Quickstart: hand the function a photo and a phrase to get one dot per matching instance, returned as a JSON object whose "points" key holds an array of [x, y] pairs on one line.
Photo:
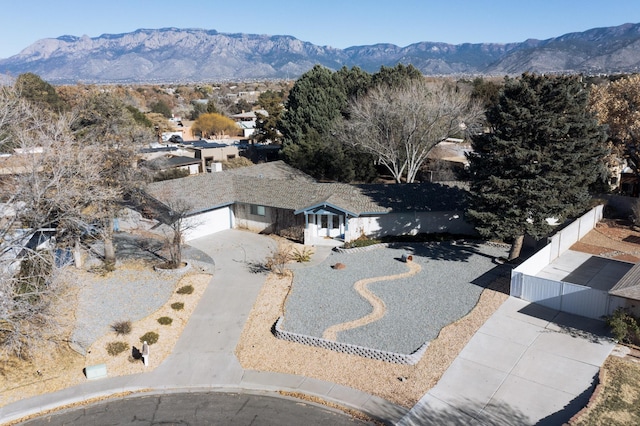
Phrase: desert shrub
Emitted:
{"points": [[303, 255], [177, 306], [361, 241], [187, 289], [165, 320], [150, 337], [236, 163], [278, 258], [170, 174], [122, 328], [624, 326], [116, 348]]}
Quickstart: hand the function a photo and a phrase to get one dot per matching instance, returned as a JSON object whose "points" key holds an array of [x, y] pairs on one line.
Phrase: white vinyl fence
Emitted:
{"points": [[566, 297]]}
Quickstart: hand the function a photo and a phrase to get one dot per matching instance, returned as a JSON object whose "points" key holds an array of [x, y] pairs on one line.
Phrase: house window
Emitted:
{"points": [[335, 223], [324, 221], [258, 210]]}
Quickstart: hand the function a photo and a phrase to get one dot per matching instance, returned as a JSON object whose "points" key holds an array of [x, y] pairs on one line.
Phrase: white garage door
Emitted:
{"points": [[208, 223]]}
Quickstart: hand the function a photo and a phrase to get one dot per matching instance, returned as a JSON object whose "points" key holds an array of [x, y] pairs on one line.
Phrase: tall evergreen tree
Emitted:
{"points": [[315, 102], [542, 152], [267, 124], [33, 88]]}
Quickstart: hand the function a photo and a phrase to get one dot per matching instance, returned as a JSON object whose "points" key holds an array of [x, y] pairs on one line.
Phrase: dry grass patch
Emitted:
{"points": [[53, 367], [404, 385], [618, 400]]}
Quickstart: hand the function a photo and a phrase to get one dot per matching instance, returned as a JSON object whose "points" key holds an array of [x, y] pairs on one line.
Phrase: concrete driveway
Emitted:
{"points": [[526, 365]]}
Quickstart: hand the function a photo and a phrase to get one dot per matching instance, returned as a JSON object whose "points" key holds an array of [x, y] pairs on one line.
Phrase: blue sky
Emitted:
{"points": [[337, 23]]}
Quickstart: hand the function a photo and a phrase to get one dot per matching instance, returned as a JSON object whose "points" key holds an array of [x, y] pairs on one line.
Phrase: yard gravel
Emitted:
{"points": [[129, 293], [453, 276]]}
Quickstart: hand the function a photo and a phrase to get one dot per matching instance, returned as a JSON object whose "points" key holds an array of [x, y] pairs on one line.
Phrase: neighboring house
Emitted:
{"points": [[276, 198], [445, 160], [211, 152], [161, 151], [628, 288], [247, 121], [168, 162]]}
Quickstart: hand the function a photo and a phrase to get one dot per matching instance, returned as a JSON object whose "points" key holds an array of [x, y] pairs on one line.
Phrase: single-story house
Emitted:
{"points": [[211, 152], [190, 164], [247, 121], [276, 198]]}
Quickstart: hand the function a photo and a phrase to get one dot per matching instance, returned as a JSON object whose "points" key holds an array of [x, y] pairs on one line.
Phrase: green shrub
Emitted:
{"points": [[303, 255], [116, 348], [361, 242], [624, 326], [177, 306], [122, 328], [165, 320], [187, 289], [150, 337]]}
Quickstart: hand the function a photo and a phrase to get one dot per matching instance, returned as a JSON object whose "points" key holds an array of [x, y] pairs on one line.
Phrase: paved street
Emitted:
{"points": [[210, 408]]}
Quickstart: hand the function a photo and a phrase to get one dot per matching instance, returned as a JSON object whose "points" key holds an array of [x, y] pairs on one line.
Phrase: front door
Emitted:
{"points": [[329, 225]]}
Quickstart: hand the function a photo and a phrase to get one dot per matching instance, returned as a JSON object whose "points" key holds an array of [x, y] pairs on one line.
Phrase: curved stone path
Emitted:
{"points": [[379, 308]]}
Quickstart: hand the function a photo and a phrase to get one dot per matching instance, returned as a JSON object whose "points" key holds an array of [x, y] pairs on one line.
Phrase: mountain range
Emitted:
{"points": [[171, 55]]}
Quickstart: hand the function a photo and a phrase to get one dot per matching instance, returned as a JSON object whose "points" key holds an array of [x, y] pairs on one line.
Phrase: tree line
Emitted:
{"points": [[540, 144]]}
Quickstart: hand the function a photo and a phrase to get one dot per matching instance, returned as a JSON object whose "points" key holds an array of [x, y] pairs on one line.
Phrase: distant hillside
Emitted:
{"points": [[191, 55]]}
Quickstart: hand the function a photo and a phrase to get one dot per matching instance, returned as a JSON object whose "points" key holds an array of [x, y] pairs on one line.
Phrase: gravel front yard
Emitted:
{"points": [[450, 282]]}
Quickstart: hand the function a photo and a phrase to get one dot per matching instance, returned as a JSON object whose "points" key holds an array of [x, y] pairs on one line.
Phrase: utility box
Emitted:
{"points": [[97, 371]]}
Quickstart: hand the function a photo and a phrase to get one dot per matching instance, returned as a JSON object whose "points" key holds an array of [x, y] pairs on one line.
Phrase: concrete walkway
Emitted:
{"points": [[526, 365], [204, 358]]}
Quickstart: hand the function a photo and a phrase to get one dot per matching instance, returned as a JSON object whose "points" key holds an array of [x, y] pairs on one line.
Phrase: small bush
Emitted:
{"points": [[177, 306], [187, 289], [116, 348], [277, 260], [150, 337], [624, 326], [165, 320], [303, 255], [122, 328], [361, 242]]}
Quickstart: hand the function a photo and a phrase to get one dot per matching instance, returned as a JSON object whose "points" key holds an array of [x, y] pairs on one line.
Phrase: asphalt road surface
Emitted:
{"points": [[210, 408]]}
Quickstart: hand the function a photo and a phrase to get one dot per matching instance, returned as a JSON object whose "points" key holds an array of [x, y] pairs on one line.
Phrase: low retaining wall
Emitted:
{"points": [[318, 342]]}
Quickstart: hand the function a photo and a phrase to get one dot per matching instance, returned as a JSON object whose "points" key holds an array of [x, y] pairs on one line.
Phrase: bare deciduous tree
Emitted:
{"points": [[105, 125], [174, 211], [400, 125], [32, 198]]}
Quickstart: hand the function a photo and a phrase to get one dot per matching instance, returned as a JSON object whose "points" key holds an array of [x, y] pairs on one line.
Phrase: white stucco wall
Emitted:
{"points": [[408, 224]]}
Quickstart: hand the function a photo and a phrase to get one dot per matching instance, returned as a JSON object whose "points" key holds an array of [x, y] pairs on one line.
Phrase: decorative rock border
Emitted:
{"points": [[396, 358]]}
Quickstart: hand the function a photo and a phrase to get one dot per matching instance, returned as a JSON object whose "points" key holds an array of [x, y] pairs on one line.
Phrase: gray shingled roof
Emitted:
{"points": [[278, 185], [629, 284]]}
